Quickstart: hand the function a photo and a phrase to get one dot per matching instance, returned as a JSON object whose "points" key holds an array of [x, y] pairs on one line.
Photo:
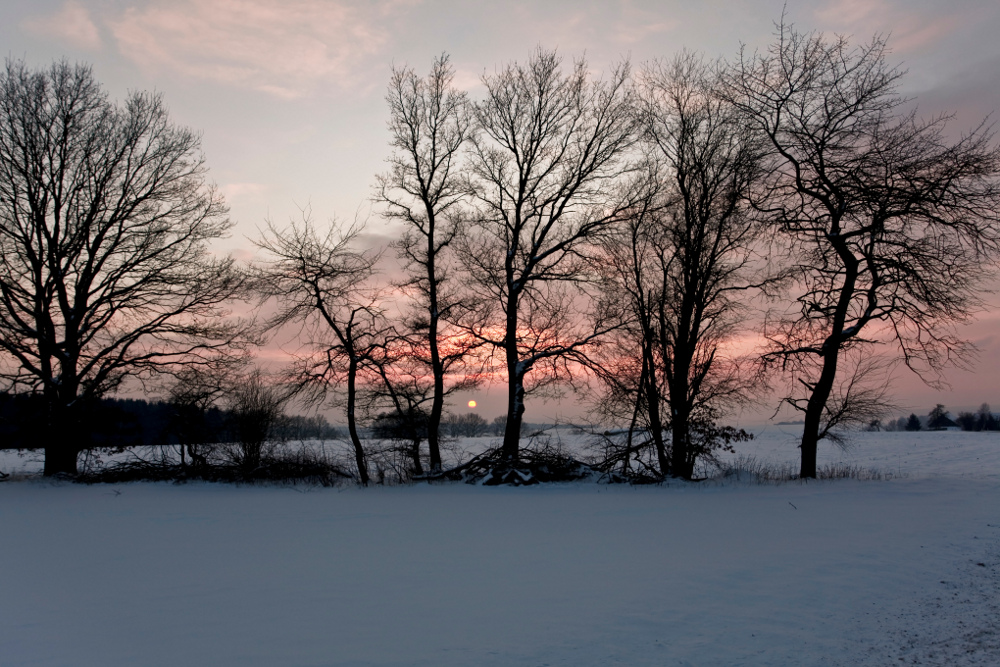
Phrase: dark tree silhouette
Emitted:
{"points": [[322, 282], [193, 399], [891, 227], [401, 387], [545, 176], [105, 221], [256, 405], [683, 262], [986, 420], [429, 121]]}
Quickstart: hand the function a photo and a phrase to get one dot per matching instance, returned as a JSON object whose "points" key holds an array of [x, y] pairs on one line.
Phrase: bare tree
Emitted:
{"points": [[105, 221], [191, 396], [404, 390], [986, 421], [256, 405], [703, 260], [628, 367], [546, 178], [684, 263], [430, 124], [322, 282], [891, 227]]}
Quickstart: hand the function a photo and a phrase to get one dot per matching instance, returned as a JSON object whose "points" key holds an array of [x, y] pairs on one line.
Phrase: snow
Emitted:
{"points": [[902, 571]]}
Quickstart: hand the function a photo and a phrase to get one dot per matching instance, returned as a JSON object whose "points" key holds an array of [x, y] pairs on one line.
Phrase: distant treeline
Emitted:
{"points": [[130, 422], [940, 419]]}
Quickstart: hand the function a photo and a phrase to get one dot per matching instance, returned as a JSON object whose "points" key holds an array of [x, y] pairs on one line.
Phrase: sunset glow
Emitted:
{"points": [[472, 404]]}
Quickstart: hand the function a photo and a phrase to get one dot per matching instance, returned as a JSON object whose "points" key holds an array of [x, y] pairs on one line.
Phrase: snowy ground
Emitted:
{"points": [[904, 571]]}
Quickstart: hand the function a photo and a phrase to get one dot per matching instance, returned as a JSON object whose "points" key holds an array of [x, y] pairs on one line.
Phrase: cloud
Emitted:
{"points": [[850, 12], [234, 190], [583, 25], [911, 30], [971, 93], [636, 24], [72, 24], [288, 49]]}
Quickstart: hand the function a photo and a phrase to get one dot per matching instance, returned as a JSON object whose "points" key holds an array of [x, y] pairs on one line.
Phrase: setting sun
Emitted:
{"points": [[472, 404]]}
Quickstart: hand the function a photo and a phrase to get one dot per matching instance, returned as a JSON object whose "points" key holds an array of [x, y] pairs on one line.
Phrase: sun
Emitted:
{"points": [[472, 404]]}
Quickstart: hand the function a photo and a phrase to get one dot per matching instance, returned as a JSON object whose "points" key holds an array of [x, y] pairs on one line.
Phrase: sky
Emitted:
{"points": [[289, 95]]}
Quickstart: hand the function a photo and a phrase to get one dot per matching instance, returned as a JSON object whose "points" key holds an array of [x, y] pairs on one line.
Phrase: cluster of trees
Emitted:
{"points": [[633, 228], [981, 420]]}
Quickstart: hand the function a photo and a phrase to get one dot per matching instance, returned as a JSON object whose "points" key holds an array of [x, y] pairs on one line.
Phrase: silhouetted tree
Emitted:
{"points": [[987, 420], [545, 177], [403, 388], [430, 123], [498, 425], [968, 421], [322, 282], [891, 227], [256, 405], [105, 270], [913, 423], [192, 398], [938, 418], [682, 261]]}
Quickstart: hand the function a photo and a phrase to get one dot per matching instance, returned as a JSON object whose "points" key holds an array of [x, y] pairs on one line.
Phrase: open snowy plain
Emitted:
{"points": [[899, 571]]}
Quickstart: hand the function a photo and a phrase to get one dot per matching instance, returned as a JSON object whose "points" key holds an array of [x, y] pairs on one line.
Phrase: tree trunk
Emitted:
{"points": [[809, 447], [418, 468], [682, 463], [515, 381], [831, 353], [653, 403], [437, 408], [511, 448], [61, 434], [437, 368], [352, 422], [814, 413], [60, 458], [679, 371]]}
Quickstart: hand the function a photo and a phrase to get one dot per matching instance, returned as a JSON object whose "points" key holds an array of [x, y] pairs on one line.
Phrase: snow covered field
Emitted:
{"points": [[903, 571]]}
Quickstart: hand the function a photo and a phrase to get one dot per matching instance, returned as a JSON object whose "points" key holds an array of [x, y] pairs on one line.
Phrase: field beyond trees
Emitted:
{"points": [[902, 570]]}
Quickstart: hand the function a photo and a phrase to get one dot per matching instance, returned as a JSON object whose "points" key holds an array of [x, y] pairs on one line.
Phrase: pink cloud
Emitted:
{"points": [[580, 26], [911, 31], [72, 24], [850, 12], [285, 49], [636, 24]]}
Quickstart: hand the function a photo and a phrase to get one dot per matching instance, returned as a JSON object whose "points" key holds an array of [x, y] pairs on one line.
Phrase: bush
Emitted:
{"points": [[303, 465]]}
